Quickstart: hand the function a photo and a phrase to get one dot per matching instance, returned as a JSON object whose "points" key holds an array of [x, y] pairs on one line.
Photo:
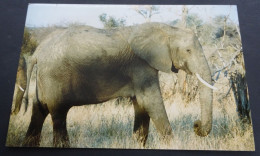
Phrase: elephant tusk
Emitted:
{"points": [[205, 83], [21, 88]]}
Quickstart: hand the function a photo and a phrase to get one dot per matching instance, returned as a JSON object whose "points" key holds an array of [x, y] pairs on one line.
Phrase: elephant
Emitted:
{"points": [[28, 47], [20, 84], [83, 65]]}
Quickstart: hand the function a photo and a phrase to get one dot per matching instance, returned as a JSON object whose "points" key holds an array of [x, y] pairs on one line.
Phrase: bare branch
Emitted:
{"points": [[230, 62], [220, 56], [237, 28], [230, 84]]}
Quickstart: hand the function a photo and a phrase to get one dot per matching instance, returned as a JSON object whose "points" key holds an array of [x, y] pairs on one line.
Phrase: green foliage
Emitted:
{"points": [[175, 22], [219, 20], [206, 34], [111, 22], [29, 44], [147, 11], [193, 20], [210, 32]]}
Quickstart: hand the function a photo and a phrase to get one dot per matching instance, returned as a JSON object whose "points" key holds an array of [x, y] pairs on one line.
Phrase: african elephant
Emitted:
{"points": [[85, 65], [28, 47], [20, 84]]}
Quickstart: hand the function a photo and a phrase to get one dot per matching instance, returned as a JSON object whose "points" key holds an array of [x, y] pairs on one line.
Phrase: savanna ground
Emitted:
{"points": [[110, 124]]}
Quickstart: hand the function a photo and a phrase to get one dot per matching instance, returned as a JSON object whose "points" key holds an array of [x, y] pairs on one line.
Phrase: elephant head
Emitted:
{"points": [[169, 49]]}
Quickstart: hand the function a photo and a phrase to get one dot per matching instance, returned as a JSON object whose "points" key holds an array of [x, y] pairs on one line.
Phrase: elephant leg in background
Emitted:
{"points": [[148, 95], [60, 134], [33, 135], [141, 123]]}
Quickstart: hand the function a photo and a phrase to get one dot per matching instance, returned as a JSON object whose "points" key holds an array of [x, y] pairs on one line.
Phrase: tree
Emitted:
{"points": [[229, 43], [188, 20], [221, 40], [111, 22], [174, 22], [147, 11], [184, 14], [29, 44], [193, 20]]}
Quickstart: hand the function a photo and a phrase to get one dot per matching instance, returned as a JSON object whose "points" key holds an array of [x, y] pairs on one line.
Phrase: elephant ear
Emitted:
{"points": [[151, 45]]}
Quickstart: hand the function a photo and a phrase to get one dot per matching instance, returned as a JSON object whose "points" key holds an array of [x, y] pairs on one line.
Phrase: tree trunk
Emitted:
{"points": [[184, 16], [239, 88]]}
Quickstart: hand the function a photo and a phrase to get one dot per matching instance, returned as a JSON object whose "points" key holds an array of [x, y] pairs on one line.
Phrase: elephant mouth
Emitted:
{"points": [[173, 69], [204, 82]]}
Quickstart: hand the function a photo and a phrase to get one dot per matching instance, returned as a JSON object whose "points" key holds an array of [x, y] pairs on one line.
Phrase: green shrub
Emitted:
{"points": [[29, 44]]}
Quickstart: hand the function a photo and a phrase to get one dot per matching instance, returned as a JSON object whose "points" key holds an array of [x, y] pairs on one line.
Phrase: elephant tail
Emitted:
{"points": [[32, 62]]}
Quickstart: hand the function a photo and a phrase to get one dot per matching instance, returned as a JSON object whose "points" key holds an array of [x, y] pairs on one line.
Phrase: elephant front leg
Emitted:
{"points": [[141, 123], [159, 117], [149, 98]]}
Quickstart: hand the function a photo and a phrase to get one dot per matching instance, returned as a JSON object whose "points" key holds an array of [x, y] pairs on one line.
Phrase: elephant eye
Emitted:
{"points": [[188, 50]]}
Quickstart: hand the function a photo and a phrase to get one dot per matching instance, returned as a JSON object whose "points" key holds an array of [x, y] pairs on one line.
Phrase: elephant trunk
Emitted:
{"points": [[203, 127]]}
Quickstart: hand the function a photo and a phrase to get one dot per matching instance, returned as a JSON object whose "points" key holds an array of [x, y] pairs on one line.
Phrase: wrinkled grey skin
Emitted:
{"points": [[85, 65]]}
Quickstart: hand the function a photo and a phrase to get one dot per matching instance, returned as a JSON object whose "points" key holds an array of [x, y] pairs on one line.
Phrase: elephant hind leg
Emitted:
{"points": [[33, 135], [60, 134], [141, 123]]}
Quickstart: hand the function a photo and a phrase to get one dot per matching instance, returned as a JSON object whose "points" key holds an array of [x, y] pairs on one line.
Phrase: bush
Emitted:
{"points": [[29, 44]]}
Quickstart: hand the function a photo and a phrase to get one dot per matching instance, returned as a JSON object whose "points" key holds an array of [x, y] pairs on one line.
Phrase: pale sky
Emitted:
{"points": [[42, 15]]}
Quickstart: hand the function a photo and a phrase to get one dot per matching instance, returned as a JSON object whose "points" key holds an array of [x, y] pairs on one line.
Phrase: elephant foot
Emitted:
{"points": [[140, 138], [32, 141], [61, 141], [167, 142], [61, 145], [200, 130]]}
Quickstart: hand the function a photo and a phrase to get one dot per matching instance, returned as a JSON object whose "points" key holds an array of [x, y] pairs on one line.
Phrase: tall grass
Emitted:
{"points": [[110, 125]]}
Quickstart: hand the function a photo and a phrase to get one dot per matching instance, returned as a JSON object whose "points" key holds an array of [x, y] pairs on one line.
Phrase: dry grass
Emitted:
{"points": [[110, 125]]}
